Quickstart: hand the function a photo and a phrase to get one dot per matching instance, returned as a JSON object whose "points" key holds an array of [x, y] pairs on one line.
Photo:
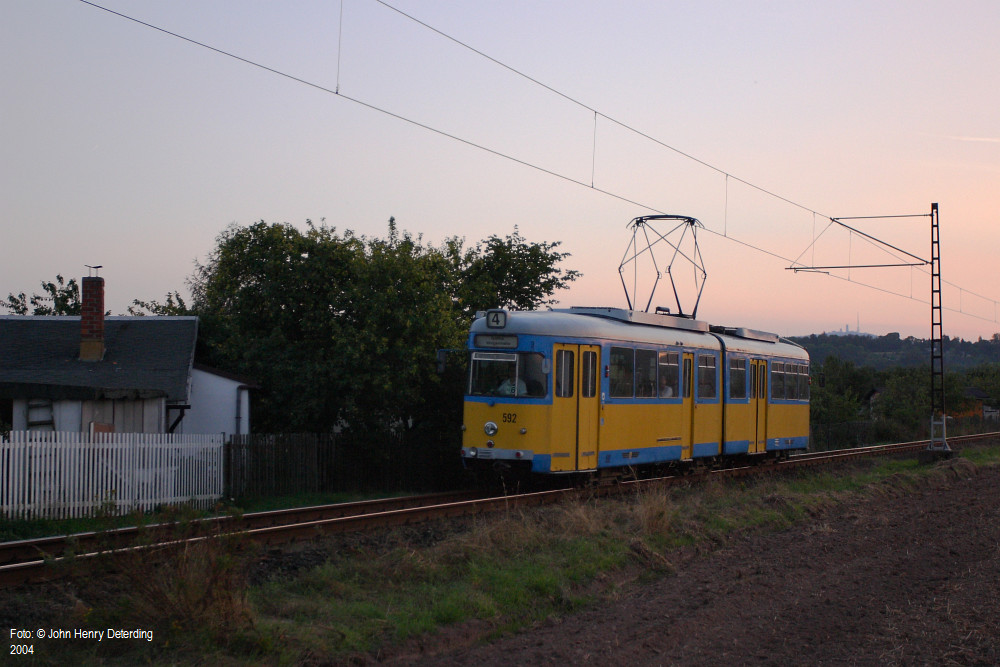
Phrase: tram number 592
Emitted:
{"points": [[509, 418]]}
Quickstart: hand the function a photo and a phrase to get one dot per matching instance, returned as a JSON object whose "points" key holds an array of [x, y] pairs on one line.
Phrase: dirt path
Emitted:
{"points": [[900, 579]]}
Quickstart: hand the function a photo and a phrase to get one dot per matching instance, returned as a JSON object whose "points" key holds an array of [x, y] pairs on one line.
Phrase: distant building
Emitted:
{"points": [[846, 331], [978, 405]]}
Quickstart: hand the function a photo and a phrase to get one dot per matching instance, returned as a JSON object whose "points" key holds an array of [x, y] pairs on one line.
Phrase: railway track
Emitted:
{"points": [[31, 560], [27, 560]]}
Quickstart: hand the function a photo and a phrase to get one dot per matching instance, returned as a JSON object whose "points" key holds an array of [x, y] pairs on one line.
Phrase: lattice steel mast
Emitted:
{"points": [[939, 442], [938, 447]]}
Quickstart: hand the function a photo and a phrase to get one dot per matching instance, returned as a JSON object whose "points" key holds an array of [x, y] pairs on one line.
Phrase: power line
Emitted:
{"points": [[718, 170], [909, 297], [597, 114], [211, 48], [623, 125]]}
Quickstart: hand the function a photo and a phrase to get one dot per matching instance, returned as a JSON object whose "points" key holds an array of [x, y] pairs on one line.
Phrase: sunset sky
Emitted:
{"points": [[131, 148]]}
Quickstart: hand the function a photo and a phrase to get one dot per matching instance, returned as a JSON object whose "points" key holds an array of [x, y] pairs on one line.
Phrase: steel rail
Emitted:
{"points": [[29, 554], [27, 560]]}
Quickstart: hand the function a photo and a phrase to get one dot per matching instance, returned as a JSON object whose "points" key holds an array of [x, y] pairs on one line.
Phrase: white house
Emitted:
{"points": [[218, 399], [113, 374]]}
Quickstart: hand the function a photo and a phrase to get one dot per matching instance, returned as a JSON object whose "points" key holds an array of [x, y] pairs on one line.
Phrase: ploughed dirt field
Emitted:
{"points": [[902, 578]]}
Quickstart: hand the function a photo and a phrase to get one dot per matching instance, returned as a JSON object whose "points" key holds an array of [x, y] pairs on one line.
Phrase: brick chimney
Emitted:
{"points": [[92, 320]]}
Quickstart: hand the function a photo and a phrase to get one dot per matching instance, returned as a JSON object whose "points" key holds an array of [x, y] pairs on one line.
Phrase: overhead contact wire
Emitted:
{"points": [[336, 92]]}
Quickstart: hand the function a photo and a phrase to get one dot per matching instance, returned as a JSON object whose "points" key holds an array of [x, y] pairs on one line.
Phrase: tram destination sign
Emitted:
{"points": [[496, 341]]}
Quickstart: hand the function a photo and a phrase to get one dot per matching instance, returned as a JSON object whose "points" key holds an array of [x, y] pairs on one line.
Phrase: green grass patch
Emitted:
{"points": [[982, 456], [110, 516], [509, 570]]}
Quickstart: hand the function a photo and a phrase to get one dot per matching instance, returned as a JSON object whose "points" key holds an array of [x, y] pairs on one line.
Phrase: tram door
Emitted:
{"points": [[758, 399], [575, 407], [688, 418]]}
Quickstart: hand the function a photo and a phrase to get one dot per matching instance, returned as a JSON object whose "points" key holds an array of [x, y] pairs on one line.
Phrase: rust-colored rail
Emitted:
{"points": [[27, 560], [881, 450]]}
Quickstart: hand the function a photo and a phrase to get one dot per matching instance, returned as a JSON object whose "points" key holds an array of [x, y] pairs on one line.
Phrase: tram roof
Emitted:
{"points": [[632, 326]]}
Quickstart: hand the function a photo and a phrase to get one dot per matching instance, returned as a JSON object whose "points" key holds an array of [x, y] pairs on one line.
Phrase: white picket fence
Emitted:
{"points": [[54, 475]]}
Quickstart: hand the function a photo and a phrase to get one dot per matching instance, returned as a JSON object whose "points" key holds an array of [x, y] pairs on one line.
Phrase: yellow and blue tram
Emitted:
{"points": [[606, 390]]}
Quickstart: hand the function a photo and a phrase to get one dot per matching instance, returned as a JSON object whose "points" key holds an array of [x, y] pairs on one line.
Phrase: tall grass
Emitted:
{"points": [[493, 574]]}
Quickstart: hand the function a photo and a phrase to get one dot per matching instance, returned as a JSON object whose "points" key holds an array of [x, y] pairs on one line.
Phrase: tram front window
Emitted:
{"points": [[507, 374]]}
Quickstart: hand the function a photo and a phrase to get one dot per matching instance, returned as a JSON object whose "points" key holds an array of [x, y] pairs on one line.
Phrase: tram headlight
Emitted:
{"points": [[490, 428], [473, 452]]}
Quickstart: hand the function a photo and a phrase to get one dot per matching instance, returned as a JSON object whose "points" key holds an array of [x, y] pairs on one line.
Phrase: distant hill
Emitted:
{"points": [[881, 352]]}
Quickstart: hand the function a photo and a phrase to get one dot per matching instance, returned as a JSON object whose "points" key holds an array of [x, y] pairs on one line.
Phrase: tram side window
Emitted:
{"points": [[507, 374], [645, 373], [588, 370], [797, 382], [687, 378], [622, 372], [788, 379], [777, 379], [707, 377], [669, 374], [532, 368], [737, 378], [564, 373]]}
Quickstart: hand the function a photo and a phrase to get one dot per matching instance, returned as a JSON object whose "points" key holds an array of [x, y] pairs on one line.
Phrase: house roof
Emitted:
{"points": [[250, 383], [976, 394], [145, 357]]}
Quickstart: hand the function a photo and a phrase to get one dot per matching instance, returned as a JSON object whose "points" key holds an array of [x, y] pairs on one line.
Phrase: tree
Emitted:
{"points": [[987, 378], [62, 298], [343, 330], [837, 396], [905, 399], [272, 302], [885, 352], [59, 298], [506, 273], [174, 305], [339, 329]]}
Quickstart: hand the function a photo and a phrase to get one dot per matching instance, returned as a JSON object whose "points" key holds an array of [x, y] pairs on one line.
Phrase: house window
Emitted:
{"points": [[6, 414]]}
